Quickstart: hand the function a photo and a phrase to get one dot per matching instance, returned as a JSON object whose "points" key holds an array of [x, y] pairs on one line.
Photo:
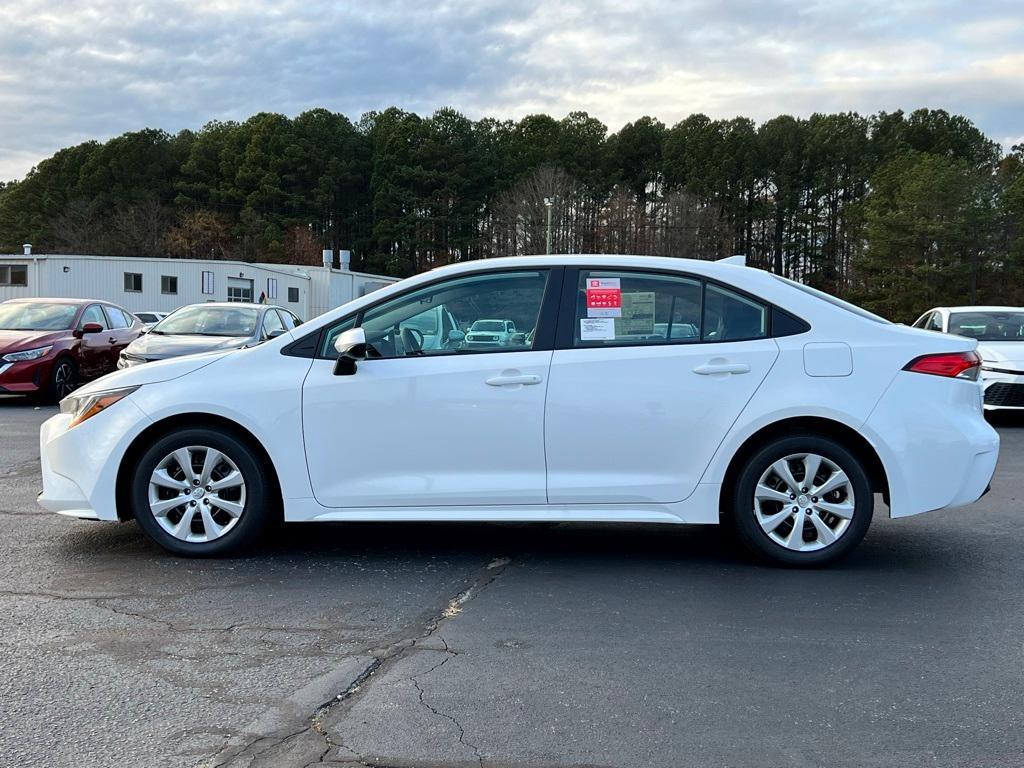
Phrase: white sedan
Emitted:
{"points": [[999, 332], [780, 408]]}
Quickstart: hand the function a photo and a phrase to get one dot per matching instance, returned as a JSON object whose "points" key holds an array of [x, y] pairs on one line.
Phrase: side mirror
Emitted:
{"points": [[276, 332], [351, 347], [456, 336], [88, 328]]}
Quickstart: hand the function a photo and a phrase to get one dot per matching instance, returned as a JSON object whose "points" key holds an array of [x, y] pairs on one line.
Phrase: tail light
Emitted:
{"points": [[953, 365]]}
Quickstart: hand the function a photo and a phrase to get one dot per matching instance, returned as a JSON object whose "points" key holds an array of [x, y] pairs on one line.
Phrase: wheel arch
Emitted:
{"points": [[843, 434], [164, 426]]}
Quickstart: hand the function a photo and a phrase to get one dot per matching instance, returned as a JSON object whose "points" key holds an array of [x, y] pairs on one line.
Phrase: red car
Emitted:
{"points": [[49, 346]]}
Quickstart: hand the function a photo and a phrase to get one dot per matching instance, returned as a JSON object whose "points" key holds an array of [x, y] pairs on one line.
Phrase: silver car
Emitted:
{"points": [[206, 328]]}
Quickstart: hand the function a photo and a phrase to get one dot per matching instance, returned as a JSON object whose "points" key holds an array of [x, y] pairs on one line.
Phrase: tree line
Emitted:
{"points": [[896, 211]]}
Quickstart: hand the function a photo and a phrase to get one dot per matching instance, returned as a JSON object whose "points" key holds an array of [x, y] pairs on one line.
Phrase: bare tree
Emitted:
{"points": [[202, 235], [519, 215], [140, 229]]}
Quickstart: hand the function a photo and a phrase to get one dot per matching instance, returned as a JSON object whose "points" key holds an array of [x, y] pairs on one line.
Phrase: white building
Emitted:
{"points": [[162, 285]]}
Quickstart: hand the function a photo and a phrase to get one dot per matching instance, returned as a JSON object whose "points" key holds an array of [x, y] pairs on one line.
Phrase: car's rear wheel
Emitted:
{"points": [[201, 493], [803, 500]]}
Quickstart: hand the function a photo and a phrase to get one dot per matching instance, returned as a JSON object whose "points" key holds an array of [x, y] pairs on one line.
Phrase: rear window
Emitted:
{"points": [[834, 301]]}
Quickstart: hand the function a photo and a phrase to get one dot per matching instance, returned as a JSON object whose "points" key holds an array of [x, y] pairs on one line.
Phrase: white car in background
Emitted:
{"points": [[999, 332], [784, 411], [149, 319], [490, 333]]}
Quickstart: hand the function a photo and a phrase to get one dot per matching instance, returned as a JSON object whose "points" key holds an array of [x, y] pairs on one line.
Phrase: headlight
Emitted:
{"points": [[28, 354], [82, 407]]}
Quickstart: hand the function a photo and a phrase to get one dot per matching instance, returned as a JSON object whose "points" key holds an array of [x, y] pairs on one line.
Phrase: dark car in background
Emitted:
{"points": [[49, 346], [209, 327]]}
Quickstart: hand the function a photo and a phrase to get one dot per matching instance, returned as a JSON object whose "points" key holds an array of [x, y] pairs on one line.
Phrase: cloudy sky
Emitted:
{"points": [[72, 71]]}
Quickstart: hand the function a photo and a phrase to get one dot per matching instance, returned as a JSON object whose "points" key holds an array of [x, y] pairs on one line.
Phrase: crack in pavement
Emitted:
{"points": [[449, 655], [382, 659]]}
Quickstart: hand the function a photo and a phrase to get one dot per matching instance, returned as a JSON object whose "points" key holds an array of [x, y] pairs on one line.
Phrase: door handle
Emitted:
{"points": [[112, 340], [513, 379], [710, 369]]}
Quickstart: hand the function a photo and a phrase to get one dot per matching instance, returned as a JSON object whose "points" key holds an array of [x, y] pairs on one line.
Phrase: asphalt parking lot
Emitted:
{"points": [[505, 645]]}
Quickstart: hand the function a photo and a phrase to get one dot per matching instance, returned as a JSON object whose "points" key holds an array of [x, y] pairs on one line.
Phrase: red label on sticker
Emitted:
{"points": [[604, 298]]}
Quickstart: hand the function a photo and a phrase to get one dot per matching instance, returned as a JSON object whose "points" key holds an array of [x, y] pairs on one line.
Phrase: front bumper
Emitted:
{"points": [[1003, 389], [79, 465], [25, 377]]}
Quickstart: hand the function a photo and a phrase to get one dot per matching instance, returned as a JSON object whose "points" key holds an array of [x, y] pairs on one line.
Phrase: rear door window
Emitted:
{"points": [[636, 308], [117, 317], [730, 316]]}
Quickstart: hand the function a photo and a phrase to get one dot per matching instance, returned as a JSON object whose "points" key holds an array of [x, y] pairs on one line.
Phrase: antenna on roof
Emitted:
{"points": [[739, 261]]}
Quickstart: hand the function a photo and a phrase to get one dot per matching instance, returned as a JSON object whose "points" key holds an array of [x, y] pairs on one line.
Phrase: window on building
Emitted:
{"points": [[168, 284], [239, 289], [293, 295], [133, 282], [208, 283], [14, 274], [271, 287]]}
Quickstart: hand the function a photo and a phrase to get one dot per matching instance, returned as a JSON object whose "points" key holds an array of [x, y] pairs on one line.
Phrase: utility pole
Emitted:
{"points": [[549, 202]]}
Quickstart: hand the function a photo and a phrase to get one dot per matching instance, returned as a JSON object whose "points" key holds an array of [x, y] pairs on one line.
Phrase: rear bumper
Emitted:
{"points": [[937, 449]]}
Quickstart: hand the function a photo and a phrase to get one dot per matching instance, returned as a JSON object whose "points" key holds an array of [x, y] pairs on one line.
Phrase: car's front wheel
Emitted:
{"points": [[201, 492], [803, 500], [63, 380]]}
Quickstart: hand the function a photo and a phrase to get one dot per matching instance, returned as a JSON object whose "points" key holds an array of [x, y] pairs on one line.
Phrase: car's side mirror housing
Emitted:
{"points": [[276, 332], [351, 347], [456, 336], [88, 328]]}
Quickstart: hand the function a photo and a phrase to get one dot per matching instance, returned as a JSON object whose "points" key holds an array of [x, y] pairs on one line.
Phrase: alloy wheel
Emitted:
{"points": [[197, 494], [64, 380], [804, 502]]}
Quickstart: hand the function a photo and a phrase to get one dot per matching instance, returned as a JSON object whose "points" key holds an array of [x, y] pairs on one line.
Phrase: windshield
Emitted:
{"points": [[200, 320], [988, 326], [30, 316], [488, 325]]}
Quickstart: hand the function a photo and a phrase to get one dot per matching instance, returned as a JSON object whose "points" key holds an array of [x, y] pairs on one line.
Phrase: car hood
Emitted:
{"points": [[1005, 352], [14, 341], [152, 373], [156, 346]]}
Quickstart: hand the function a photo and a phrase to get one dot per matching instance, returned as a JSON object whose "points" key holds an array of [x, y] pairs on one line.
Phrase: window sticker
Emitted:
{"points": [[597, 329], [604, 297], [637, 317]]}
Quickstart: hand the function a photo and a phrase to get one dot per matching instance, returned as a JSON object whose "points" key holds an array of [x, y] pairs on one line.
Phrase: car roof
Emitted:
{"points": [[235, 305], [56, 300], [977, 308]]}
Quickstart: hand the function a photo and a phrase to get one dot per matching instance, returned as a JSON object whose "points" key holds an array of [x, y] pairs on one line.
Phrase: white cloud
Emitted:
{"points": [[70, 71]]}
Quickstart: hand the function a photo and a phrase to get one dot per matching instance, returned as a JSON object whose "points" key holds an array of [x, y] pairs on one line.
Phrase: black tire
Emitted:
{"points": [[257, 509], [63, 380], [745, 518]]}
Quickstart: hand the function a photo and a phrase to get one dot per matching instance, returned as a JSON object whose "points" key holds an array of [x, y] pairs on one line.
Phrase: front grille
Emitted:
{"points": [[1005, 395]]}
